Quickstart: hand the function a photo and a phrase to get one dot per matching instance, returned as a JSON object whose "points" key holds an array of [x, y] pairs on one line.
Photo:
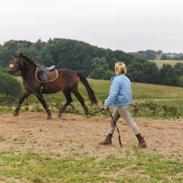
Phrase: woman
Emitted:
{"points": [[120, 97]]}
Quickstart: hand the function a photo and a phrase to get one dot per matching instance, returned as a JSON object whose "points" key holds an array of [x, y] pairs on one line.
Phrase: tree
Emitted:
{"points": [[134, 72], [99, 69], [178, 69], [143, 72], [147, 54], [167, 75], [150, 73], [9, 85]]}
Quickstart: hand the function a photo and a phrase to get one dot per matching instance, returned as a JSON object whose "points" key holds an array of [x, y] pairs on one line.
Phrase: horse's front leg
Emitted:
{"points": [[22, 98], [43, 102]]}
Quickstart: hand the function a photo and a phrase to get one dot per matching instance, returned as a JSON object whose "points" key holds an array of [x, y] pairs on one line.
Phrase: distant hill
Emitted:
{"points": [[68, 53]]}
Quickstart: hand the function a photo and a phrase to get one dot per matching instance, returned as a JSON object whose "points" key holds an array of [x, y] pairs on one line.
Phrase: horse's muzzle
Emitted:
{"points": [[12, 69], [11, 66]]}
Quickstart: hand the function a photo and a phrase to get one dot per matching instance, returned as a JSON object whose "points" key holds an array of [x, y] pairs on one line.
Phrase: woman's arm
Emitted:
{"points": [[113, 92]]}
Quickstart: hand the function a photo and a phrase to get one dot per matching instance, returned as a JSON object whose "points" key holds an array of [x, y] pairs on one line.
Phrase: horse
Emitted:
{"points": [[66, 80]]}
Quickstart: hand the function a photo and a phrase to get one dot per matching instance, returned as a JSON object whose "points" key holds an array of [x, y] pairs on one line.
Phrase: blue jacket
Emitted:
{"points": [[120, 93]]}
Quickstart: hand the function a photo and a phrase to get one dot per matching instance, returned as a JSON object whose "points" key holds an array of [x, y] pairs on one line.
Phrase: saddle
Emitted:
{"points": [[50, 74]]}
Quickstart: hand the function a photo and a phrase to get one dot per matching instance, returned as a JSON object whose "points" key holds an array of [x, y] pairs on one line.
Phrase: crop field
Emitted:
{"points": [[160, 63]]}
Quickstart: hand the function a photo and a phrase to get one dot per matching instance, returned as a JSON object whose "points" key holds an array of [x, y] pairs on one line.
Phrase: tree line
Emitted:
{"points": [[149, 73], [91, 61], [157, 55]]}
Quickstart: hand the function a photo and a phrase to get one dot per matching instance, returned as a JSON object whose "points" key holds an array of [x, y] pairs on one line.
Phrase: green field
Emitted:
{"points": [[159, 94], [146, 93], [160, 63], [128, 168], [142, 93]]}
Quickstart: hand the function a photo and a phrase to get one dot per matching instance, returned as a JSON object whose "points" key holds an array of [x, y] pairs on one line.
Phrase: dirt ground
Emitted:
{"points": [[77, 135]]}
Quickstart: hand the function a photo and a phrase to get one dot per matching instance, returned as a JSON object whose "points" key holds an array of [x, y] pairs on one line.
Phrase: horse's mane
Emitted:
{"points": [[28, 59]]}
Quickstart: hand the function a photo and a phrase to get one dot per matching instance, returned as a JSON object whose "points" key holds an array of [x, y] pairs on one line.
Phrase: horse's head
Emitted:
{"points": [[17, 63]]}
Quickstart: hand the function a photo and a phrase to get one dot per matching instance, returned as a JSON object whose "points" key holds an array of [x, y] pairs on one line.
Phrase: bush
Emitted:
{"points": [[9, 86], [154, 109], [167, 74]]}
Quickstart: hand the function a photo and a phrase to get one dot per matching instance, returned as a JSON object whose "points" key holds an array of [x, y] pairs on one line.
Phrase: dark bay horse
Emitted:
{"points": [[67, 81]]}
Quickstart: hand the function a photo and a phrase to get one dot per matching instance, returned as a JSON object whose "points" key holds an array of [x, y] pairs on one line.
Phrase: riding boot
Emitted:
{"points": [[107, 140], [142, 142]]}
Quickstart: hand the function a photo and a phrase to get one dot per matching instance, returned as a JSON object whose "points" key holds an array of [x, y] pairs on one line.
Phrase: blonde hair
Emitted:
{"points": [[120, 68]]}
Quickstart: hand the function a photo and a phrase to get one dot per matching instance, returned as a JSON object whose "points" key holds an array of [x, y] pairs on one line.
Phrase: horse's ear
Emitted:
{"points": [[14, 55]]}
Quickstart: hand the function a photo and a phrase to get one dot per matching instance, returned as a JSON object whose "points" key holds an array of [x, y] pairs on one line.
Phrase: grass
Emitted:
{"points": [[140, 90], [2, 138], [138, 167], [142, 93], [160, 63]]}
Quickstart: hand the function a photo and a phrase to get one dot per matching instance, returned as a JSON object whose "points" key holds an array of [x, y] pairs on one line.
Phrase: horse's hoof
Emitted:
{"points": [[49, 117], [16, 114]]}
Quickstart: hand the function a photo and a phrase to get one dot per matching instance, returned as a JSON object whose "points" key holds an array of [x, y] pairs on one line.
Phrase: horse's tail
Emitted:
{"points": [[91, 93]]}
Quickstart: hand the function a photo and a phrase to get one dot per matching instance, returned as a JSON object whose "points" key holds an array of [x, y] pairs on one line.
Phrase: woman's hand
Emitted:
{"points": [[105, 109]]}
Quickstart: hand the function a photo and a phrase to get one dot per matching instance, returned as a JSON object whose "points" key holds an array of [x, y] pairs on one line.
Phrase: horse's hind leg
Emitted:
{"points": [[22, 98], [43, 102], [81, 100], [68, 97]]}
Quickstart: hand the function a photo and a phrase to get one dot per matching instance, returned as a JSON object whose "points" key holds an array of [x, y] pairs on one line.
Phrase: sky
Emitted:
{"points": [[128, 25]]}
